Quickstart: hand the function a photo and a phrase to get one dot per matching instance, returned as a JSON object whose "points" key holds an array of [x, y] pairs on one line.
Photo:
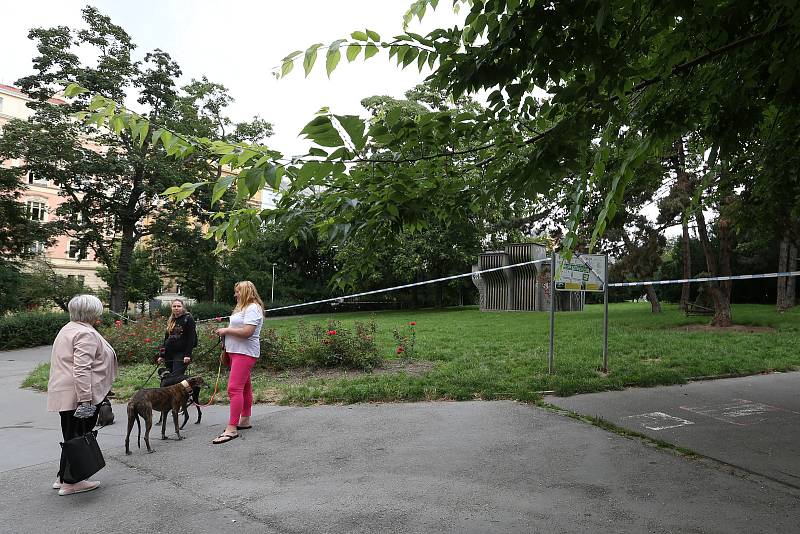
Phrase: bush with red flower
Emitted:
{"points": [[405, 338]]}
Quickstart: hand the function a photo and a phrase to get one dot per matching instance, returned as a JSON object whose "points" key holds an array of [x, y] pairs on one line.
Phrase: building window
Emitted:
{"points": [[1, 104], [79, 277], [33, 179], [74, 252], [36, 247], [36, 210]]}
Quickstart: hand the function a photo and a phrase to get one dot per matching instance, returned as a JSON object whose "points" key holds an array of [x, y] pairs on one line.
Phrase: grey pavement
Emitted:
{"points": [[478, 467], [752, 423]]}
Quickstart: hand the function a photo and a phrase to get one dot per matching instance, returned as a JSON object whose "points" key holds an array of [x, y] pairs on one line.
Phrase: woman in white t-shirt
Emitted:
{"points": [[243, 345]]}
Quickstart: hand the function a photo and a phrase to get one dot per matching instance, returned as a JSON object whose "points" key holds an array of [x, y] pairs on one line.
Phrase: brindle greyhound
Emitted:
{"points": [[167, 379], [171, 398]]}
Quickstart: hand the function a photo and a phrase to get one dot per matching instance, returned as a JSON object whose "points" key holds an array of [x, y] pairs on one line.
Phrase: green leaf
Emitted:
{"points": [[359, 36], [273, 177], [246, 155], [354, 126], [117, 124], [310, 57], [321, 131], [254, 179], [511, 5], [220, 186], [421, 60], [352, 51], [401, 52], [141, 131], [374, 36], [166, 138], [392, 209], [287, 67], [293, 55], [332, 60], [74, 89], [97, 102], [410, 56], [370, 50], [432, 59]]}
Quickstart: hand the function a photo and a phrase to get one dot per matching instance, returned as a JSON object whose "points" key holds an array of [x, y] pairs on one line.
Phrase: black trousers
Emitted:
{"points": [[174, 363], [72, 427]]}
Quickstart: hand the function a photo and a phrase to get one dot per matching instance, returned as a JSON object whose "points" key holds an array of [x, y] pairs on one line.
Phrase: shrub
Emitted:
{"points": [[140, 342], [315, 345], [136, 342], [333, 345], [30, 329], [206, 310], [405, 338]]}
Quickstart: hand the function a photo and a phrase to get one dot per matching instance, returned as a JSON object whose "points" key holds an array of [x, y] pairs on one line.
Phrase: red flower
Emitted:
{"points": [[117, 323], [413, 323], [147, 340], [218, 318], [400, 350], [331, 332]]}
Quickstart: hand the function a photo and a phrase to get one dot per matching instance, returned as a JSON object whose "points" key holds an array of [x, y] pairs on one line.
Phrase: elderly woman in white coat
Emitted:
{"points": [[82, 368]]}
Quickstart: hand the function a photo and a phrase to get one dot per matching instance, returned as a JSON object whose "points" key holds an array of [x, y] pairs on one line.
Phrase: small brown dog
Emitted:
{"points": [[144, 402]]}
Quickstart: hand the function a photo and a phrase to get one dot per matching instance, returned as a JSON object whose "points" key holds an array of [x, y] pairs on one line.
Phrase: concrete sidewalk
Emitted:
{"points": [[424, 467], [752, 423]]}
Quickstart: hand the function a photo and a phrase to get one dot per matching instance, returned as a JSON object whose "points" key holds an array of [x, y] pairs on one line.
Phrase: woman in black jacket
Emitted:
{"points": [[179, 339]]}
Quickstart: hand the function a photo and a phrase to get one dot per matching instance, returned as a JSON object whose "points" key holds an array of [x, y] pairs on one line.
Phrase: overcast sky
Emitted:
{"points": [[238, 43]]}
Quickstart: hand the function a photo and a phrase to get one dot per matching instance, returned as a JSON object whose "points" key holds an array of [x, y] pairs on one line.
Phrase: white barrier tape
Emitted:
{"points": [[707, 279], [493, 269], [338, 299], [123, 316], [415, 284]]}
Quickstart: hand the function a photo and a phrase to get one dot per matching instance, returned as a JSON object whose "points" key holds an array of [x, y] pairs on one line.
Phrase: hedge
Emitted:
{"points": [[30, 329]]}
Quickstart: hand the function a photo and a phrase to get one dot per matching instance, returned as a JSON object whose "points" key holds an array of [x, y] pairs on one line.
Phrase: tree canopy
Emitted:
{"points": [[579, 93]]}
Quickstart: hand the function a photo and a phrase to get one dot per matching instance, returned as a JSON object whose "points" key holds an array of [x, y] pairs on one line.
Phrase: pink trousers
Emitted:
{"points": [[240, 390]]}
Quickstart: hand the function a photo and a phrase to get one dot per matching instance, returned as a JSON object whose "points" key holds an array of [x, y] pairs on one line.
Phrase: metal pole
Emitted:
{"points": [[605, 316], [272, 293], [552, 308]]}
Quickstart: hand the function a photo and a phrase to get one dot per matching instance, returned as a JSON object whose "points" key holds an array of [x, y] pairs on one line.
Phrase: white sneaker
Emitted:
{"points": [[78, 487], [56, 484]]}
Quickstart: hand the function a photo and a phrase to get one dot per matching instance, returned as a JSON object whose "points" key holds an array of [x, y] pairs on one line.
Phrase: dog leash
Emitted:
{"points": [[219, 373], [148, 378]]}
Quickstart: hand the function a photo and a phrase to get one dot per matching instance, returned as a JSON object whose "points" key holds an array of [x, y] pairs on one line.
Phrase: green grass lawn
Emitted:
{"points": [[503, 355]]}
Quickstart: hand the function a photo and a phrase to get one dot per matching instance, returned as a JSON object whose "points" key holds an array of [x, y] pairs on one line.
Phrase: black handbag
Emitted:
{"points": [[83, 457]]}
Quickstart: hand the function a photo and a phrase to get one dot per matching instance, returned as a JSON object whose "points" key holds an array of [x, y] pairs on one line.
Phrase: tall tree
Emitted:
{"points": [[110, 177]]}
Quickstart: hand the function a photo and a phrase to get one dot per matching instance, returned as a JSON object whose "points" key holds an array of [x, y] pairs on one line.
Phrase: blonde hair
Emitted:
{"points": [[248, 294], [171, 321]]}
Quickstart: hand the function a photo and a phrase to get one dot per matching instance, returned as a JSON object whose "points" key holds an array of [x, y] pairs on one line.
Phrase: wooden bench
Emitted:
{"points": [[696, 309]]}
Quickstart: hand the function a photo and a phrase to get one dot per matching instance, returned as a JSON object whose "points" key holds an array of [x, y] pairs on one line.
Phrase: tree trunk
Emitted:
{"points": [[687, 266], [791, 291], [655, 305], [720, 291], [119, 285], [683, 186], [783, 262]]}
